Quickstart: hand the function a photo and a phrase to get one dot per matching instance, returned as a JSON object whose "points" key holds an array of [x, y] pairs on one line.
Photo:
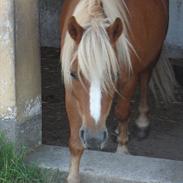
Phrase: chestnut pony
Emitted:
{"points": [[107, 47]]}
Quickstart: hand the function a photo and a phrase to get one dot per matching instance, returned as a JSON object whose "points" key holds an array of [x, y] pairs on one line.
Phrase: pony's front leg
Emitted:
{"points": [[76, 151], [75, 146], [122, 113]]}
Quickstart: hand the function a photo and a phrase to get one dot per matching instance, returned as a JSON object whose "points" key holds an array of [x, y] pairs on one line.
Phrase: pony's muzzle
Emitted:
{"points": [[92, 139]]}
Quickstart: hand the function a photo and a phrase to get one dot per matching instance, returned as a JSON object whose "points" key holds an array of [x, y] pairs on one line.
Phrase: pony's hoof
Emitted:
{"points": [[73, 179], [142, 133]]}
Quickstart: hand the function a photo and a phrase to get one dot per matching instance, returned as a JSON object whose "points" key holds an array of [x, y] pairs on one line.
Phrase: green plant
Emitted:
{"points": [[12, 167]]}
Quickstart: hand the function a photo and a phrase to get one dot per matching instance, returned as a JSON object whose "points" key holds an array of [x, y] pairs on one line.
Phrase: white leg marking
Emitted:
{"points": [[142, 121], [73, 176], [95, 100]]}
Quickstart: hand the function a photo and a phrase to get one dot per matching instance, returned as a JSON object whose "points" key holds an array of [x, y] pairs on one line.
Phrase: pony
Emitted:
{"points": [[107, 48]]}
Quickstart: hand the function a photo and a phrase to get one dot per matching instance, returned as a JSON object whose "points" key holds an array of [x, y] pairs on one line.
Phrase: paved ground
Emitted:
{"points": [[166, 137], [97, 167]]}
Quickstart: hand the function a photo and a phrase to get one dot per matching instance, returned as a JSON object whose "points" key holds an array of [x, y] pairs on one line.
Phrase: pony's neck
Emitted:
{"points": [[88, 11]]}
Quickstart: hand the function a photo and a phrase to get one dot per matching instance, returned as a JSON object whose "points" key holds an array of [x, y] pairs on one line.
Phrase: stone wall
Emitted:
{"points": [[20, 79], [7, 56], [175, 33]]}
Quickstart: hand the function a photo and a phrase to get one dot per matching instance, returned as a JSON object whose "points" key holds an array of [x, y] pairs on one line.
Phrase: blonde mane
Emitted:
{"points": [[96, 57]]}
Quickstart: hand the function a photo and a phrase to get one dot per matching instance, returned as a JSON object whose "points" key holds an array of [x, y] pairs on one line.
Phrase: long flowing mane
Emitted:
{"points": [[97, 59]]}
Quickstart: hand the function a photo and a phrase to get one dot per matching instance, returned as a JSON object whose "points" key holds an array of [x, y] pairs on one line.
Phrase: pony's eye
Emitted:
{"points": [[73, 75]]}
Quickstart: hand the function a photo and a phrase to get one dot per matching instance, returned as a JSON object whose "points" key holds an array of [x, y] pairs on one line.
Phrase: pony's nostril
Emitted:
{"points": [[105, 135], [82, 135]]}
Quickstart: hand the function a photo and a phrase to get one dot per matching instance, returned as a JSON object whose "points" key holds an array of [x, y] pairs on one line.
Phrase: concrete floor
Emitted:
{"points": [[166, 137], [102, 167]]}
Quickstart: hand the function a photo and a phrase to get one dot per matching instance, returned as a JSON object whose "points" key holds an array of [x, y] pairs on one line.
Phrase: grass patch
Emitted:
{"points": [[12, 167]]}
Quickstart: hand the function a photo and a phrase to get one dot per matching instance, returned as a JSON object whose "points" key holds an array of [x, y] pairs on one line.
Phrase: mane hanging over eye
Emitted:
{"points": [[96, 57]]}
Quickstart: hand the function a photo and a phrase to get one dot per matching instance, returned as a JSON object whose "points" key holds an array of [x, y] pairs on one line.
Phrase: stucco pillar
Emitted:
{"points": [[20, 80]]}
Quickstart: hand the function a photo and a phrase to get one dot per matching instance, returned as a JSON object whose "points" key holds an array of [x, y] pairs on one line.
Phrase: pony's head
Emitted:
{"points": [[92, 74]]}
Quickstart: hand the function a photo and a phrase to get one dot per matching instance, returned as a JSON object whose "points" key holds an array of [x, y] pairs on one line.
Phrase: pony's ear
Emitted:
{"points": [[115, 30], [75, 30]]}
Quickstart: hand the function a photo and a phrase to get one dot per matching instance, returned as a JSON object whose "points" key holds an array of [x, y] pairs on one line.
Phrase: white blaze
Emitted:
{"points": [[95, 100]]}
